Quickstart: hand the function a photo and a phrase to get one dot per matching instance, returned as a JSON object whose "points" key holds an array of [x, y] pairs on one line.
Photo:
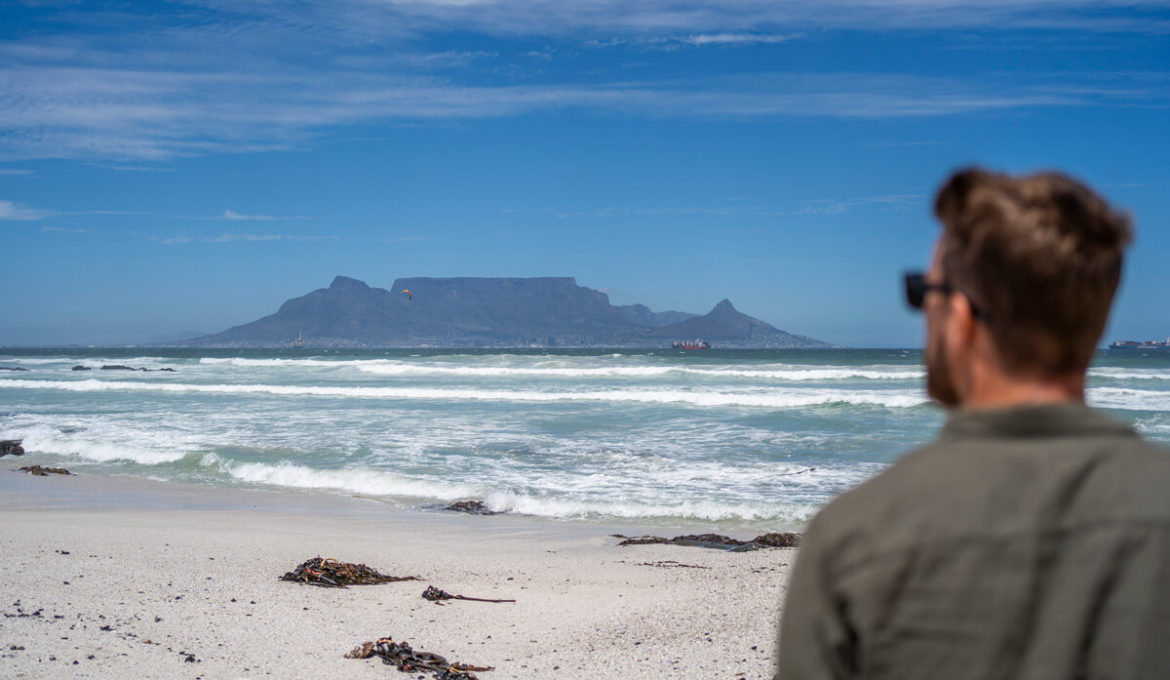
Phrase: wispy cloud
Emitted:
{"points": [[239, 238], [234, 216], [833, 206], [717, 39], [10, 210], [12, 172], [823, 208], [739, 207], [261, 76], [733, 39], [140, 114], [123, 167], [62, 230], [360, 18]]}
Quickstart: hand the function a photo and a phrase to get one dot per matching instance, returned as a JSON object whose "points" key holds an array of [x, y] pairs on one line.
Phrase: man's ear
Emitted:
{"points": [[962, 316]]}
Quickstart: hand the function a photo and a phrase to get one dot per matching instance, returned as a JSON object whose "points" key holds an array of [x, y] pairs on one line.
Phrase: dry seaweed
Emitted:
{"points": [[407, 660], [329, 573], [435, 595]]}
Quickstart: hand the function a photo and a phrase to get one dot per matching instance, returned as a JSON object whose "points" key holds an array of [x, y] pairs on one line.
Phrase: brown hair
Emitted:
{"points": [[1040, 256]]}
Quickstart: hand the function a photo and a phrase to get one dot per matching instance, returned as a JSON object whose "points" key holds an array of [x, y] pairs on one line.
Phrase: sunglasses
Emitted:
{"points": [[917, 287]]}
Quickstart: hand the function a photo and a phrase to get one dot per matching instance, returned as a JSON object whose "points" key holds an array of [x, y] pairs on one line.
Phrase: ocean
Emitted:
{"points": [[727, 440]]}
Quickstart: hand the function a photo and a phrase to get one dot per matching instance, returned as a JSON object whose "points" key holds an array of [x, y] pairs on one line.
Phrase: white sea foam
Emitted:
{"points": [[381, 483], [92, 446], [352, 480], [709, 510], [87, 361], [1129, 399], [283, 363], [541, 369], [789, 374], [791, 398], [1130, 373], [396, 369]]}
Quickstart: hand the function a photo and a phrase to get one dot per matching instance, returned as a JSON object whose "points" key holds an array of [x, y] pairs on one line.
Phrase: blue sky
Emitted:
{"points": [[170, 169]]}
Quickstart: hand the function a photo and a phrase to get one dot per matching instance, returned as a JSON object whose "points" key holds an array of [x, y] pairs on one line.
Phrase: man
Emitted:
{"points": [[1032, 539]]}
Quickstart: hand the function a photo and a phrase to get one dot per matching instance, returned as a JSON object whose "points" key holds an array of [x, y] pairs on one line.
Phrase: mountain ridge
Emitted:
{"points": [[488, 312]]}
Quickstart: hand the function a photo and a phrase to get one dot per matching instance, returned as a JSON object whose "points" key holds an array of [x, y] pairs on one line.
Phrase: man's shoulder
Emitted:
{"points": [[951, 488], [857, 506]]}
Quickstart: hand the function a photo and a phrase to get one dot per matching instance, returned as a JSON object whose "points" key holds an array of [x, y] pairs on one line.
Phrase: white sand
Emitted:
{"points": [[131, 577]]}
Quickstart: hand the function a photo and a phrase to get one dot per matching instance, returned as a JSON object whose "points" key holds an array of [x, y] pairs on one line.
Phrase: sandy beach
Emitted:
{"points": [[111, 577]]}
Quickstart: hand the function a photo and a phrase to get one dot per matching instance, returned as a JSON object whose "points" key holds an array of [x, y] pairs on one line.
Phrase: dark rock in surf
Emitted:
{"points": [[709, 541], [12, 368], [118, 367], [82, 368], [471, 508], [44, 471], [718, 542], [785, 539], [641, 540], [11, 447]]}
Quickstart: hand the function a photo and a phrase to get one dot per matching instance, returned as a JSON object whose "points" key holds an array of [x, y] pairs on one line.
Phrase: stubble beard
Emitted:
{"points": [[940, 384]]}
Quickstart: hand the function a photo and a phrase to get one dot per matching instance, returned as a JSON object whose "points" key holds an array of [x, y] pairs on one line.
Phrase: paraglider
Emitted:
{"points": [[409, 295]]}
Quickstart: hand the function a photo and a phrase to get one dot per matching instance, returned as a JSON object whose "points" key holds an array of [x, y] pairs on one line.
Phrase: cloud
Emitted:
{"points": [[254, 75], [733, 39], [239, 238], [228, 238], [122, 167], [235, 216], [63, 230], [357, 19], [16, 211], [727, 39], [739, 206], [834, 206], [86, 113], [12, 172], [824, 208]]}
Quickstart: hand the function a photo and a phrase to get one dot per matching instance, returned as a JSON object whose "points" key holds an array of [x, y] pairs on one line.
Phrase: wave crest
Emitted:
{"points": [[764, 399]]}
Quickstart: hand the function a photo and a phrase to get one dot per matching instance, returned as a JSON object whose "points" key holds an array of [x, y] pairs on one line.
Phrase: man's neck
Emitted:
{"points": [[995, 390]]}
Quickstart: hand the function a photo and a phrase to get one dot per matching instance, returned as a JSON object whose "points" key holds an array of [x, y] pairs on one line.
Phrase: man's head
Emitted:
{"points": [[1024, 272]]}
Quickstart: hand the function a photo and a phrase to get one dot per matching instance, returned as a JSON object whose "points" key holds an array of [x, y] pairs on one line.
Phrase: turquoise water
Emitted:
{"points": [[743, 439]]}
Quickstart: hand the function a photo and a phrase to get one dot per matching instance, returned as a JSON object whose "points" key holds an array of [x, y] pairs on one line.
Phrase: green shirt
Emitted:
{"points": [[1025, 543]]}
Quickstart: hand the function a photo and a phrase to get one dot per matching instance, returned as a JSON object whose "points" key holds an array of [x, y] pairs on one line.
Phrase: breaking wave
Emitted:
{"points": [[571, 508], [763, 399], [792, 374], [351, 480], [44, 439]]}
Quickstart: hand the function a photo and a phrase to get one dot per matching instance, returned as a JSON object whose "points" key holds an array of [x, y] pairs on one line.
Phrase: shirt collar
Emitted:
{"points": [[1063, 419]]}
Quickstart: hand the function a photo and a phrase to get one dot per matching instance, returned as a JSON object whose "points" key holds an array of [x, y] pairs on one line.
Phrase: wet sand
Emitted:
{"points": [[109, 577]]}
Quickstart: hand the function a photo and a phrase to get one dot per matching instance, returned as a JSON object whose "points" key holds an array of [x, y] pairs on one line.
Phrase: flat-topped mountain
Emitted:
{"points": [[488, 312]]}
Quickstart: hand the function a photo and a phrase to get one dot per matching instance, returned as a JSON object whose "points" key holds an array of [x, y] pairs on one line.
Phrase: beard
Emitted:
{"points": [[940, 382]]}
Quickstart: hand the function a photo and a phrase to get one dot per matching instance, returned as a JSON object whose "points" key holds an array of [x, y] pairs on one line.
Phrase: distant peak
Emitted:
{"points": [[344, 282], [723, 307]]}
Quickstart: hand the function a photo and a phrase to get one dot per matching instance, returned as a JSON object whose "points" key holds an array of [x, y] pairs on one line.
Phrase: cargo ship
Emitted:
{"points": [[691, 344], [1134, 344]]}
